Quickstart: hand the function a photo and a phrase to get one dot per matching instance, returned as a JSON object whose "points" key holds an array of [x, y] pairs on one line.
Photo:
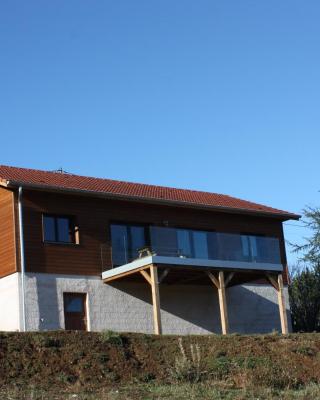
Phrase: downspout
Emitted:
{"points": [[22, 261]]}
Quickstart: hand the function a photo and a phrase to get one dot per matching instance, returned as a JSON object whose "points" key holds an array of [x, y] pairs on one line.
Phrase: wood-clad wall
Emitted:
{"points": [[94, 215], [7, 233]]}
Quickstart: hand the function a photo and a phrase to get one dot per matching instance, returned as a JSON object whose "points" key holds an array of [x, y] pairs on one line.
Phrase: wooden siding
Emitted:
{"points": [[94, 215], [7, 233]]}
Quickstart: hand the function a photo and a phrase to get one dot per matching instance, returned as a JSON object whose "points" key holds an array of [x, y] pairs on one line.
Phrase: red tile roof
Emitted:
{"points": [[65, 181]]}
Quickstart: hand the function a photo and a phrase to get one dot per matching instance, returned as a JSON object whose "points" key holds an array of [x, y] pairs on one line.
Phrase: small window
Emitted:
{"points": [[59, 229]]}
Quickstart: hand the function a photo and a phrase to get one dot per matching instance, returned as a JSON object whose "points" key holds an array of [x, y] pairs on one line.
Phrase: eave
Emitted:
{"points": [[111, 196]]}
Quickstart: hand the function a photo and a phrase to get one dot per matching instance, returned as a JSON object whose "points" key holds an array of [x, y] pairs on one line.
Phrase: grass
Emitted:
{"points": [[167, 392], [109, 365]]}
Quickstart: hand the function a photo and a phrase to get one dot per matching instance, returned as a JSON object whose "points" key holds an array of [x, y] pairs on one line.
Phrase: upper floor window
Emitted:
{"points": [[59, 229], [126, 242]]}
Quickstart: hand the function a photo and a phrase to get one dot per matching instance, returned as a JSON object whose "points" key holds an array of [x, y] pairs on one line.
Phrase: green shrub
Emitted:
{"points": [[306, 351], [41, 340], [275, 376], [220, 367], [62, 377], [103, 358], [148, 377], [112, 338]]}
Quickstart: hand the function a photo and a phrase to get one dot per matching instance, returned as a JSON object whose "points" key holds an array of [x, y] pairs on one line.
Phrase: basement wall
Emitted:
{"points": [[10, 303], [126, 306]]}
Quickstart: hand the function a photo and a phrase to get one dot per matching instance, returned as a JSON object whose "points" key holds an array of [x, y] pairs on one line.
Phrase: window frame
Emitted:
{"points": [[73, 229]]}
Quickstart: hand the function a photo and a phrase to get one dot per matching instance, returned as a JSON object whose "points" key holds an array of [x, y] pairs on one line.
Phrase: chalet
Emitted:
{"points": [[95, 254]]}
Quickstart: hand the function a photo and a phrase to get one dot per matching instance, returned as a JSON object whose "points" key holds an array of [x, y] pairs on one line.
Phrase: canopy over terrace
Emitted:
{"points": [[173, 270]]}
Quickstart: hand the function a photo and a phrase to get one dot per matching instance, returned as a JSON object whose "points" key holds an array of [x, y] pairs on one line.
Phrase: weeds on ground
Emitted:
{"points": [[188, 367], [199, 391]]}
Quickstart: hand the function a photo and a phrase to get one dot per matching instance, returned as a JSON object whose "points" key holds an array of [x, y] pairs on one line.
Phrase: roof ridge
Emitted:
{"points": [[55, 172]]}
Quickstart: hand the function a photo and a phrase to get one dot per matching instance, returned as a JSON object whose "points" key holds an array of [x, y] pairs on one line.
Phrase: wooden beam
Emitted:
{"points": [[282, 306], [223, 304], [214, 280], [127, 273], [146, 276], [273, 281], [228, 278], [164, 274], [155, 300]]}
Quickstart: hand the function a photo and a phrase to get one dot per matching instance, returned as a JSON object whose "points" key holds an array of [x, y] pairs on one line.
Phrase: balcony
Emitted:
{"points": [[179, 256], [195, 248]]}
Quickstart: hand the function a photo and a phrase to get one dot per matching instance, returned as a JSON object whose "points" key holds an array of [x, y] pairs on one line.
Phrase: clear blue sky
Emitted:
{"points": [[221, 96]]}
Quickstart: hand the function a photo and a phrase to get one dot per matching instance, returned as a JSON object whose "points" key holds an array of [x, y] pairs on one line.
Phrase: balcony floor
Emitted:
{"points": [[190, 270]]}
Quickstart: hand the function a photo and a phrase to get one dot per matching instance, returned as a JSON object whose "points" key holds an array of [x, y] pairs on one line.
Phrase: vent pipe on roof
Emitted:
{"points": [[22, 261]]}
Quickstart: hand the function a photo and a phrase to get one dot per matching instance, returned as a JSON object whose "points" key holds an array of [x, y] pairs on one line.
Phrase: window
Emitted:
{"points": [[164, 241], [59, 229], [200, 244], [126, 241], [184, 243], [249, 247]]}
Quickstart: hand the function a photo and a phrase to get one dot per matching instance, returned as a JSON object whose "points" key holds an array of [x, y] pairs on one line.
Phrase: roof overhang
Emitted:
{"points": [[149, 200]]}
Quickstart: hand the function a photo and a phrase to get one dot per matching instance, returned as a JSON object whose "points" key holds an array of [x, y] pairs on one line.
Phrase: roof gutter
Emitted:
{"points": [[48, 188]]}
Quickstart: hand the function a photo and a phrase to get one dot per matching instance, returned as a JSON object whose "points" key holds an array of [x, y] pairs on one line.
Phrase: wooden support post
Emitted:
{"points": [[155, 299], [278, 285], [223, 304], [219, 283], [282, 306]]}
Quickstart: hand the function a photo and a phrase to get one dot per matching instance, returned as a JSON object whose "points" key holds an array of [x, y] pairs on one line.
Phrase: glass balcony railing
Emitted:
{"points": [[130, 242]]}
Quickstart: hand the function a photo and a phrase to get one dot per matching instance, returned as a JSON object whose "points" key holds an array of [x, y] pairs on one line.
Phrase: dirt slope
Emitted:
{"points": [[72, 361]]}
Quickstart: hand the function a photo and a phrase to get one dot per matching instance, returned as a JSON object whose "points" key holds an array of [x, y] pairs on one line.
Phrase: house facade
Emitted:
{"points": [[96, 254]]}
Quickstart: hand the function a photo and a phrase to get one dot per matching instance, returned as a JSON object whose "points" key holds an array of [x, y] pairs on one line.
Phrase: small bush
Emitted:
{"points": [[52, 342], [306, 351], [220, 367], [38, 340], [67, 378], [275, 376], [112, 338], [147, 377], [43, 341], [103, 358]]}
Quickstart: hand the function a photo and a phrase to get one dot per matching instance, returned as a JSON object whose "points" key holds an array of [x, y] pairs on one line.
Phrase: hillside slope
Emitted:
{"points": [[77, 362]]}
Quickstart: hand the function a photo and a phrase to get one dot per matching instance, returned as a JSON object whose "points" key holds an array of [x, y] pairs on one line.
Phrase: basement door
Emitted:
{"points": [[75, 311]]}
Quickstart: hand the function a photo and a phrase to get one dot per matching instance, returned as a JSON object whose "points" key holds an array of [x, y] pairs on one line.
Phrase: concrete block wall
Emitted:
{"points": [[185, 309]]}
